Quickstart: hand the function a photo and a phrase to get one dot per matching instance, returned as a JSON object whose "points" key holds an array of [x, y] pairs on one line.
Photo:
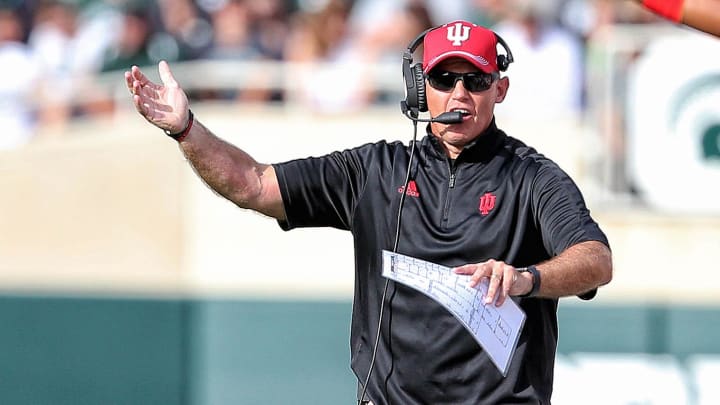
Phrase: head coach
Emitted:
{"points": [[470, 197]]}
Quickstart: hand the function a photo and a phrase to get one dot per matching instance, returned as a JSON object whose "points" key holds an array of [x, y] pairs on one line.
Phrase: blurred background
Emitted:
{"points": [[125, 280]]}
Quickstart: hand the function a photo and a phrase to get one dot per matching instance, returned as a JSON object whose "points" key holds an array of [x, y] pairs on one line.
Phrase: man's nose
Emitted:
{"points": [[459, 87]]}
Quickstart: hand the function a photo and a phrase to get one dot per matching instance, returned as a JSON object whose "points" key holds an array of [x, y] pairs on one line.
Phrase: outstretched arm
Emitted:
{"points": [[703, 15], [227, 169]]}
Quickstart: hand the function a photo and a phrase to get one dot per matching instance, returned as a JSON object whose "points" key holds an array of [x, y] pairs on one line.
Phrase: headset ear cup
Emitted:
{"points": [[410, 88], [420, 86], [502, 63]]}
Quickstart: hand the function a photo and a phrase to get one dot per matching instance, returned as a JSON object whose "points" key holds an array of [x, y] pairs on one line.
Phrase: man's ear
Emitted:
{"points": [[503, 84]]}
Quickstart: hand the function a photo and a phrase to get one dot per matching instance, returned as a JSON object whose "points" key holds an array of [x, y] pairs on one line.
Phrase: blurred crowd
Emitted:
{"points": [[50, 50]]}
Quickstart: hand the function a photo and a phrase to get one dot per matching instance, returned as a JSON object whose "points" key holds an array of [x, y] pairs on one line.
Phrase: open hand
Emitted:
{"points": [[163, 105]]}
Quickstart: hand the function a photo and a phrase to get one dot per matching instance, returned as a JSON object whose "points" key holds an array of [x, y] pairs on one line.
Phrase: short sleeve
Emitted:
{"points": [[562, 216], [323, 191]]}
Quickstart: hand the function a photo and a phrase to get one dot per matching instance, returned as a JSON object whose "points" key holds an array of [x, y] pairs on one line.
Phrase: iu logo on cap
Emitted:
{"points": [[458, 33], [487, 203]]}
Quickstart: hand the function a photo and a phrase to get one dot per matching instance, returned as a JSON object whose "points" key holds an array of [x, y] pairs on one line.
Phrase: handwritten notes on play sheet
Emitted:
{"points": [[496, 329]]}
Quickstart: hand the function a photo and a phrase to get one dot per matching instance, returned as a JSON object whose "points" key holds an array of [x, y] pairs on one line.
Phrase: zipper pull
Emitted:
{"points": [[452, 180]]}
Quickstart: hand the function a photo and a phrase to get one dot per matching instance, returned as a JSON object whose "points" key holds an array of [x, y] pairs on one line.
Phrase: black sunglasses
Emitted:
{"points": [[473, 81]]}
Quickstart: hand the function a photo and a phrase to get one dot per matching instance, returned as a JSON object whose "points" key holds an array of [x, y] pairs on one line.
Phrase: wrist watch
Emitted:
{"points": [[535, 281]]}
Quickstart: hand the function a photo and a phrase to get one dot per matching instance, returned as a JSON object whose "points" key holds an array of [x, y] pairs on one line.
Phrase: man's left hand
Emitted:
{"points": [[503, 279]]}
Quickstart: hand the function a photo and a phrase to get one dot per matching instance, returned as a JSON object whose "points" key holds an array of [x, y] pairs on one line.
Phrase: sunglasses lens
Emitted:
{"points": [[477, 82], [474, 82], [443, 81]]}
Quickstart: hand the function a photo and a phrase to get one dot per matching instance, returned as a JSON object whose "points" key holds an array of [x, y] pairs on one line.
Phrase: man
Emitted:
{"points": [[703, 15], [536, 241]]}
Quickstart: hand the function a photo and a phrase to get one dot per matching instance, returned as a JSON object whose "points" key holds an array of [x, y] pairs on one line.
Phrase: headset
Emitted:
{"points": [[415, 98]]}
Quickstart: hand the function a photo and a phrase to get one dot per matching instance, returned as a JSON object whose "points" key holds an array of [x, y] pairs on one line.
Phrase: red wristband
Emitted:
{"points": [[670, 9], [179, 136]]}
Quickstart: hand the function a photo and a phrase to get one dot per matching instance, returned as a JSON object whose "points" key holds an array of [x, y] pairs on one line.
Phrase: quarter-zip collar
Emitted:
{"points": [[481, 149]]}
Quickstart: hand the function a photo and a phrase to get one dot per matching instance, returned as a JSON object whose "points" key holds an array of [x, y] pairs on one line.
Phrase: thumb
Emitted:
{"points": [[166, 74], [465, 269]]}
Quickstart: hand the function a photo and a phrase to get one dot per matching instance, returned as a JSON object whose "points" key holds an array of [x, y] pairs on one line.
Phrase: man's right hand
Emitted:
{"points": [[163, 105]]}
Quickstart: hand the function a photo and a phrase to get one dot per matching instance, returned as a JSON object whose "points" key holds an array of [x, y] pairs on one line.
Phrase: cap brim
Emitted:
{"points": [[478, 61]]}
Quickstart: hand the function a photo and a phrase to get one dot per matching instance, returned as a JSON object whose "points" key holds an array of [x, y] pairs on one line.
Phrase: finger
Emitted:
{"points": [[166, 74], [149, 92], [474, 270], [137, 102], [138, 75], [465, 269], [150, 96], [493, 285], [139, 91], [501, 293], [482, 270], [468, 270], [151, 101], [133, 84], [496, 277], [129, 81], [509, 278], [146, 106]]}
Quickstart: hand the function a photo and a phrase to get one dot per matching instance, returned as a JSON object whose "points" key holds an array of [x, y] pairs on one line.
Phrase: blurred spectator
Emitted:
{"points": [[69, 49], [270, 27], [53, 39], [389, 37], [488, 12], [371, 13], [131, 47], [447, 10], [186, 33], [331, 72], [385, 41], [548, 79], [233, 40], [606, 79], [21, 71], [334, 41], [368, 14]]}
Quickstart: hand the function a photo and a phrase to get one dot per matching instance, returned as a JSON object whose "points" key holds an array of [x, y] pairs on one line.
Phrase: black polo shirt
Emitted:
{"points": [[500, 199]]}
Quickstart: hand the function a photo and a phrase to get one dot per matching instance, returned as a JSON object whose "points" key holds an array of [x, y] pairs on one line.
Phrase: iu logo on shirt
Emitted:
{"points": [[487, 203], [411, 189]]}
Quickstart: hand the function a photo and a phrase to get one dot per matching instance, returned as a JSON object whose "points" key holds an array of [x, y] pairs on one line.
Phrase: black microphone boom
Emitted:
{"points": [[449, 117]]}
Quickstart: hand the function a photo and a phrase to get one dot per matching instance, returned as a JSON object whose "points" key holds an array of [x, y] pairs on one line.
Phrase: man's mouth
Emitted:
{"points": [[463, 111]]}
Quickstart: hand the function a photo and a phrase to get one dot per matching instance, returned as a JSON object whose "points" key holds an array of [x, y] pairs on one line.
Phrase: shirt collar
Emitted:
{"points": [[481, 148]]}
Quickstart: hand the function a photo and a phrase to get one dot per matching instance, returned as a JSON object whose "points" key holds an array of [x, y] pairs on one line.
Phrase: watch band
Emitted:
{"points": [[536, 281], [179, 136]]}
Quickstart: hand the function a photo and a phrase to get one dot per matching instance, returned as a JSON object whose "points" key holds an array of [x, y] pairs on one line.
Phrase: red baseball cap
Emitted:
{"points": [[461, 39]]}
